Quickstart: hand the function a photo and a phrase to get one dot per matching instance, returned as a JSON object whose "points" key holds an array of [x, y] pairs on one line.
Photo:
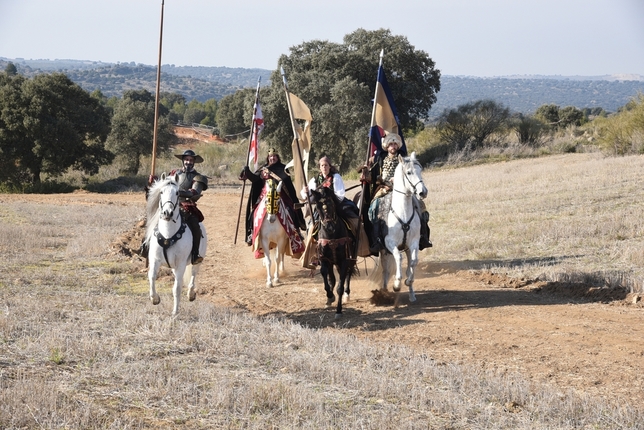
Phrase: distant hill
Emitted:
{"points": [[520, 93], [201, 83], [526, 94]]}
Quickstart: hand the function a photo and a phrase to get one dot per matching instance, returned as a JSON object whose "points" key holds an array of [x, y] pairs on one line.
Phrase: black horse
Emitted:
{"points": [[335, 247]]}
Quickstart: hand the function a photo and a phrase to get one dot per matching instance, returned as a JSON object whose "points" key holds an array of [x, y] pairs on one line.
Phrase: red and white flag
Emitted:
{"points": [[258, 126]]}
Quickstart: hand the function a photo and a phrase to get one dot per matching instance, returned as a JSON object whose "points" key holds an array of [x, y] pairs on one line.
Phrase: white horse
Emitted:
{"points": [[403, 223], [271, 233], [169, 240]]}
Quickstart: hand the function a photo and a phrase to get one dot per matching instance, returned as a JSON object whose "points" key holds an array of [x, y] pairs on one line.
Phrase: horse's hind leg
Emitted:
{"points": [[384, 265]]}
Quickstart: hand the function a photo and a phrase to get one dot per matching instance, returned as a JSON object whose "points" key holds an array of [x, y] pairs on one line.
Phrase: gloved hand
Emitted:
{"points": [[244, 173], [152, 179]]}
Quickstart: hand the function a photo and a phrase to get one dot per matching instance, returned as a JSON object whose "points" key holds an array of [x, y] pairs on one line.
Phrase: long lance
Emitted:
{"points": [[364, 183], [297, 138], [253, 128], [156, 101]]}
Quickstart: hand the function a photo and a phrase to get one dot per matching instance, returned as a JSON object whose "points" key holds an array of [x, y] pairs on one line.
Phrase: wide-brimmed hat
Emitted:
{"points": [[391, 138], [191, 153]]}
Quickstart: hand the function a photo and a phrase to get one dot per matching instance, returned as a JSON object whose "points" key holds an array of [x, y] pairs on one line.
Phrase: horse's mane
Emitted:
{"points": [[152, 206], [329, 193]]}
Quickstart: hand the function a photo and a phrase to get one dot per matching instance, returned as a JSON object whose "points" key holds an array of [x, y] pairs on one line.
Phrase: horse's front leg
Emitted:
{"points": [[347, 290], [192, 289], [267, 261], [412, 261], [153, 269], [342, 269], [398, 258], [279, 258], [268, 264], [176, 288], [326, 270]]}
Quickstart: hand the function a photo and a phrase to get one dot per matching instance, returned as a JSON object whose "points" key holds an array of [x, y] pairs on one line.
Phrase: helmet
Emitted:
{"points": [[190, 153]]}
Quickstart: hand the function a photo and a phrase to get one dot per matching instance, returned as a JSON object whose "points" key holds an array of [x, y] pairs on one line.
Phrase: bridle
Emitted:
{"points": [[162, 204], [406, 179], [330, 216], [405, 226]]}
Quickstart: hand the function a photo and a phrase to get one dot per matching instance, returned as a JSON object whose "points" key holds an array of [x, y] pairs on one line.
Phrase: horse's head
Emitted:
{"points": [[273, 188], [409, 176], [325, 205], [169, 197]]}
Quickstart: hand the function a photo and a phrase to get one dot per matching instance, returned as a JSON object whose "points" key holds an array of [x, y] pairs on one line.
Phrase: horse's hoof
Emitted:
{"points": [[269, 285], [396, 288], [192, 295], [412, 298], [156, 299], [338, 316], [330, 301], [397, 301]]}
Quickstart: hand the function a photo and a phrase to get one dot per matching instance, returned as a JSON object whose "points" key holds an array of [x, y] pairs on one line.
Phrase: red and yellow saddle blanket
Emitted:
{"points": [[296, 242]]}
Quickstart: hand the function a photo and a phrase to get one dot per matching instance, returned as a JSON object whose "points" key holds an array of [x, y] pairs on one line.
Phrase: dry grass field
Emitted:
{"points": [[529, 315]]}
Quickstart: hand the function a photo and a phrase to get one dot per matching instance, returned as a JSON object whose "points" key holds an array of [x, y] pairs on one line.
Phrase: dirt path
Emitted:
{"points": [[461, 316]]}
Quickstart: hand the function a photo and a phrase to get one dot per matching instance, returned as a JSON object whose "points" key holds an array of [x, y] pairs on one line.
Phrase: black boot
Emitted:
{"points": [[424, 241], [193, 223], [377, 241]]}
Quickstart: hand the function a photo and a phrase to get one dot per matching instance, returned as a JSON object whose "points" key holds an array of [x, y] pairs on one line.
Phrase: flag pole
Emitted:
{"points": [[253, 128], [297, 138], [364, 183], [156, 101]]}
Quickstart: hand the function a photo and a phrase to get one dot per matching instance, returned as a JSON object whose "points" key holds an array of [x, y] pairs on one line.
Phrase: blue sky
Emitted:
{"points": [[463, 37]]}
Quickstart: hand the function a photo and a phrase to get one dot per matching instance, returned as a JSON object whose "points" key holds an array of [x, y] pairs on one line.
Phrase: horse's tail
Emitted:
{"points": [[353, 269], [378, 272]]}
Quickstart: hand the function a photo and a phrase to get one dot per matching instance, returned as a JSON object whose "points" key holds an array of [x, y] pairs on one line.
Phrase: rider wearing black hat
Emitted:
{"points": [[191, 185]]}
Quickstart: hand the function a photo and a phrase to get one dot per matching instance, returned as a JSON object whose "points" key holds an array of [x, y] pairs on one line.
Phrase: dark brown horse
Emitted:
{"points": [[335, 247]]}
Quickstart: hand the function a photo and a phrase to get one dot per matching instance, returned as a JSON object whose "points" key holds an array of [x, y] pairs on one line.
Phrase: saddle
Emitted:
{"points": [[381, 208]]}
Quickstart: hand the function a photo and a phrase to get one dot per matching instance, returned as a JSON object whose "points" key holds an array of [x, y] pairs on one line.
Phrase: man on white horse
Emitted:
{"points": [[383, 166], [272, 167], [191, 185]]}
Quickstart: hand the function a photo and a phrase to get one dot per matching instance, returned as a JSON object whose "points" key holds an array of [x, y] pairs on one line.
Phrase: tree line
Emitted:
{"points": [[49, 124]]}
